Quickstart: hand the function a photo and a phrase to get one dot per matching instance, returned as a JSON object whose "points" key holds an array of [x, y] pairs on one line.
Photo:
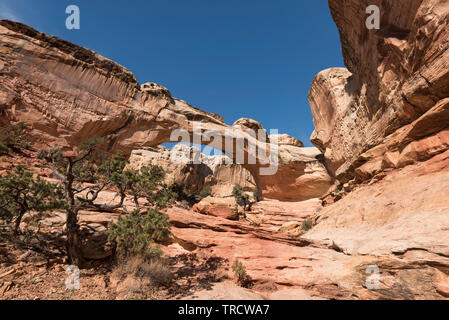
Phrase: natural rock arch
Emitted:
{"points": [[68, 94]]}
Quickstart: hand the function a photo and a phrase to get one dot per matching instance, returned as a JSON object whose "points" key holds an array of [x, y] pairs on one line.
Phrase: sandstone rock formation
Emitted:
{"points": [[225, 208], [389, 108], [383, 125], [218, 172], [69, 94]]}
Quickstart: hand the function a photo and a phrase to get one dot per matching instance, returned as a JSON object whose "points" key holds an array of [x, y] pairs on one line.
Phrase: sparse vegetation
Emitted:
{"points": [[256, 195], [21, 192], [179, 193], [307, 225], [147, 276], [338, 189], [76, 169], [206, 192], [155, 270], [240, 273], [14, 137], [136, 233], [241, 198]]}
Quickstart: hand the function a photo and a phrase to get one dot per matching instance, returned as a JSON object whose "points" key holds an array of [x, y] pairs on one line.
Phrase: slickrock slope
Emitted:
{"points": [[389, 108], [69, 94], [407, 210]]}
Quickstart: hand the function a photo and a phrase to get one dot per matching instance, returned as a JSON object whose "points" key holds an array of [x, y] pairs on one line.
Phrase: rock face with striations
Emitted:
{"points": [[68, 94], [383, 126], [390, 107]]}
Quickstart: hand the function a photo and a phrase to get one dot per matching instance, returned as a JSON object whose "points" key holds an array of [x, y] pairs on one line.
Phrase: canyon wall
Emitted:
{"points": [[389, 108]]}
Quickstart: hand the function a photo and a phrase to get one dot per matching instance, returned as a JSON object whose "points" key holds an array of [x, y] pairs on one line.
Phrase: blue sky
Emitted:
{"points": [[237, 58]]}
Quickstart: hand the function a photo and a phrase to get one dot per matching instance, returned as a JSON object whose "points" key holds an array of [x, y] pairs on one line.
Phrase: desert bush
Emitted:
{"points": [[241, 198], [240, 273], [307, 225], [179, 193], [205, 192], [136, 233], [155, 270], [14, 137], [3, 148], [21, 192], [142, 279]]}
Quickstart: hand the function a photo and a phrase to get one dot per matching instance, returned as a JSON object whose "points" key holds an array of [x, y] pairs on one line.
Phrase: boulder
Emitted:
{"points": [[286, 140], [225, 208], [94, 240]]}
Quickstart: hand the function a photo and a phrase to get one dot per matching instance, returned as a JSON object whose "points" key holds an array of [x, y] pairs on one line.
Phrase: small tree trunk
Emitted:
{"points": [[73, 239]]}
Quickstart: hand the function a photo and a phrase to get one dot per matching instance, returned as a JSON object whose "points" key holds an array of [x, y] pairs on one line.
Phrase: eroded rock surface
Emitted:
{"points": [[68, 94], [218, 172], [392, 97]]}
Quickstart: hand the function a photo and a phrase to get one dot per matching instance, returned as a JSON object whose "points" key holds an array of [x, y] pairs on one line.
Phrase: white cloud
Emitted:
{"points": [[7, 13]]}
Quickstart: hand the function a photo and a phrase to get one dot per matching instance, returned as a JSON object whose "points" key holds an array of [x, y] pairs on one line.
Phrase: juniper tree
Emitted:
{"points": [[83, 180], [21, 192]]}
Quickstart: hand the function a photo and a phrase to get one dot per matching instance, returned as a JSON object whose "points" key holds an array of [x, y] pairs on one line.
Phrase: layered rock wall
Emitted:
{"points": [[393, 94]]}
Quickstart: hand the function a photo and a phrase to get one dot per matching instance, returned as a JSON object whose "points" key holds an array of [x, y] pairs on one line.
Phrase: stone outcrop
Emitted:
{"points": [[389, 107], [68, 94], [214, 171], [382, 125], [225, 208], [301, 175]]}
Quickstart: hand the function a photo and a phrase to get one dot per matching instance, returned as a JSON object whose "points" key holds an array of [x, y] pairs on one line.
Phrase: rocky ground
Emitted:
{"points": [[329, 261]]}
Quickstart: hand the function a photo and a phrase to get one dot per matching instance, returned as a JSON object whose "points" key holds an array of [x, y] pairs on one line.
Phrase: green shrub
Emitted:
{"points": [[241, 198], [3, 148], [179, 191], [14, 137], [307, 225], [256, 194], [135, 234], [206, 192]]}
